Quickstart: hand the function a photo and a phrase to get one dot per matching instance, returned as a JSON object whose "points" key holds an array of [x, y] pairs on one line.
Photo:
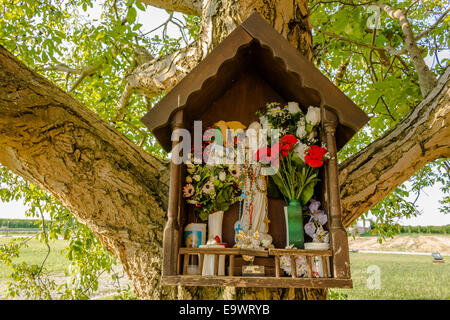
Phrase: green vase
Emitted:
{"points": [[295, 224]]}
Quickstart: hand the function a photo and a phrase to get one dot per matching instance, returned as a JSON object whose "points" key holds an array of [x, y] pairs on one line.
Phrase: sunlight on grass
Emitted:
{"points": [[402, 277], [35, 252]]}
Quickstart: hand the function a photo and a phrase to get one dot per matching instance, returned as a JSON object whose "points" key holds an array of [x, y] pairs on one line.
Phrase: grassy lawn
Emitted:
{"points": [[409, 277], [35, 252]]}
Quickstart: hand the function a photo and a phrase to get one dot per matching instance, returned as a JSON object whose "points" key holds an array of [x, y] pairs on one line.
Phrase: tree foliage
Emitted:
{"points": [[88, 47]]}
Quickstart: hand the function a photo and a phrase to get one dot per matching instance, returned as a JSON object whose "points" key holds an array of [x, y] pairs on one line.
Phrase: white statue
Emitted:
{"points": [[254, 220]]}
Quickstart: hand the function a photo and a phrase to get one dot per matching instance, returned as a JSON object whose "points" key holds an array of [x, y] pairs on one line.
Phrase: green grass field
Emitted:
{"points": [[404, 277], [401, 276], [35, 253]]}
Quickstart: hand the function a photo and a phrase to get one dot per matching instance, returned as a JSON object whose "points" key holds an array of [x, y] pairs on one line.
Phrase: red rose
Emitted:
{"points": [[287, 142], [314, 156], [285, 149], [275, 151], [263, 155], [289, 139]]}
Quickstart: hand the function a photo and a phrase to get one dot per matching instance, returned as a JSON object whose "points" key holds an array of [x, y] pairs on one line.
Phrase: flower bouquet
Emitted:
{"points": [[211, 188], [320, 239], [315, 226], [211, 184], [299, 157]]}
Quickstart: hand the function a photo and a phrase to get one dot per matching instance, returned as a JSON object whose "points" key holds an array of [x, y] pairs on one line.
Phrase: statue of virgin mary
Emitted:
{"points": [[254, 220]]}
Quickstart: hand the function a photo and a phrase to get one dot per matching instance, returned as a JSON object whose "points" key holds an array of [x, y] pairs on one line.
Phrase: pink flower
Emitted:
{"points": [[188, 190]]}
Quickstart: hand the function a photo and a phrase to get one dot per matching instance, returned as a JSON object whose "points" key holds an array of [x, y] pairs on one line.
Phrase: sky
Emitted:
{"points": [[428, 201]]}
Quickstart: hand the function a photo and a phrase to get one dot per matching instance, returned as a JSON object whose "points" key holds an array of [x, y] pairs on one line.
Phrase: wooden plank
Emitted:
{"points": [[226, 251], [171, 230], [216, 264], [338, 235], [230, 268], [185, 263], [200, 263], [299, 252], [256, 282], [178, 271], [293, 267], [308, 260], [325, 266]]}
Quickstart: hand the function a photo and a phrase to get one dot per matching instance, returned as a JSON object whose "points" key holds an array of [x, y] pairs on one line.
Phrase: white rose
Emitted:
{"points": [[293, 107], [222, 176], [301, 130], [313, 115], [300, 150], [264, 122], [197, 177]]}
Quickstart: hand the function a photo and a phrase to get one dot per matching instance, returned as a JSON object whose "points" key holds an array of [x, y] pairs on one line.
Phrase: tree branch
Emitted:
{"points": [[193, 7], [61, 67], [75, 155], [156, 76], [390, 50], [85, 72], [438, 21], [421, 137], [427, 80]]}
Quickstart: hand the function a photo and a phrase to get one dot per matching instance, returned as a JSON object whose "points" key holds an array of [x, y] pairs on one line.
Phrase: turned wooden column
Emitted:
{"points": [[338, 235], [171, 231]]}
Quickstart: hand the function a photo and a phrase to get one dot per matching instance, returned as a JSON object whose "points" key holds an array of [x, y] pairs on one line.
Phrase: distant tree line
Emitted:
{"points": [[20, 223], [413, 229], [428, 229]]}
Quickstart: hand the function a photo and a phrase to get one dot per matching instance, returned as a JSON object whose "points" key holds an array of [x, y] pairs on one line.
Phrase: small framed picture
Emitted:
{"points": [[192, 238]]}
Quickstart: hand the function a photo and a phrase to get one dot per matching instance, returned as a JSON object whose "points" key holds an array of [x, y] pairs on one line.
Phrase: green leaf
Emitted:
{"points": [[131, 15], [307, 193], [140, 5]]}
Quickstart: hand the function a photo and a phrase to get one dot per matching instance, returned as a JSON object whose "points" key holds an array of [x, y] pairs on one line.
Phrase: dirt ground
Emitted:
{"points": [[407, 243]]}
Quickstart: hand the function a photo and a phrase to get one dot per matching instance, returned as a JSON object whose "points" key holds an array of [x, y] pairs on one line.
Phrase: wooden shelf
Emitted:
{"points": [[275, 279], [225, 251], [257, 253], [300, 252], [264, 282]]}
